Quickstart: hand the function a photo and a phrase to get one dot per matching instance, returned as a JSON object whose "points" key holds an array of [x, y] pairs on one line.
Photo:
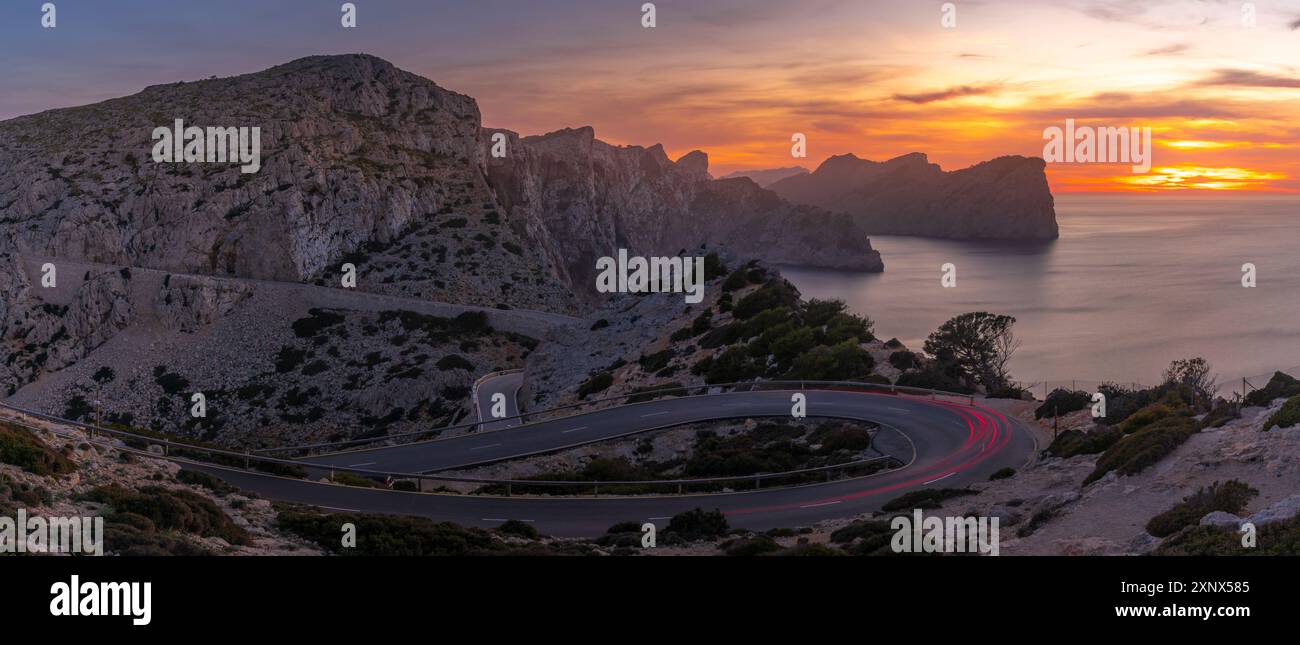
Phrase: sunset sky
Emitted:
{"points": [[736, 78]]}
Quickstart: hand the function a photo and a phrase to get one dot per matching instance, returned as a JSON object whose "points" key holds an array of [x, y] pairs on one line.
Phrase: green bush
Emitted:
{"points": [[198, 478], [1278, 538], [748, 547], [1003, 473], [1063, 401], [316, 321], [776, 293], [903, 360], [1280, 386], [842, 362], [1076, 442], [168, 509], [1145, 417], [698, 524], [1230, 497], [19, 447], [596, 384], [518, 528], [388, 535], [1143, 448], [1286, 416]]}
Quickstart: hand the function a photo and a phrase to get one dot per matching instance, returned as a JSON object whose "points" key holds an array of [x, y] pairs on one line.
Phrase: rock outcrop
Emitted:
{"points": [[1007, 198], [582, 198]]}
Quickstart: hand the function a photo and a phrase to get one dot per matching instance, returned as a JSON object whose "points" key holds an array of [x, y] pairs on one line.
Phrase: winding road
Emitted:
{"points": [[954, 444]]}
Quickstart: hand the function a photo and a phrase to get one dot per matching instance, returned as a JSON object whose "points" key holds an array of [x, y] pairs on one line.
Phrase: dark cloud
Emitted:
{"points": [[1246, 78], [944, 95]]}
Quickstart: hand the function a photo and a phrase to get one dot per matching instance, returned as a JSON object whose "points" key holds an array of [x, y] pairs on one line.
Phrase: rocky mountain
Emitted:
{"points": [[766, 178], [582, 198], [1006, 198], [195, 276]]}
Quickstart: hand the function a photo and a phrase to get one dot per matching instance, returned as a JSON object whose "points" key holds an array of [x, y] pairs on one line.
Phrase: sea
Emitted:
{"points": [[1133, 282]]}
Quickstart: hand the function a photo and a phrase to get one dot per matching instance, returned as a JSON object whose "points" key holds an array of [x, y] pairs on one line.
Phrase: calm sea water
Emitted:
{"points": [[1132, 283]]}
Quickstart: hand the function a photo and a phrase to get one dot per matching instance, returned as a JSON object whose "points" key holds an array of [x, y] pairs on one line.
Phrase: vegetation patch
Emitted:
{"points": [[1230, 497], [19, 447]]}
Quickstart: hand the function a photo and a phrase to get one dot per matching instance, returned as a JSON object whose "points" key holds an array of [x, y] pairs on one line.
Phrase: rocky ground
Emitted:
{"points": [[309, 373]]}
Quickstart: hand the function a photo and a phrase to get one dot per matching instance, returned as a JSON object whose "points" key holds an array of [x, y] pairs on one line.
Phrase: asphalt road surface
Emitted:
{"points": [[507, 385], [955, 444]]}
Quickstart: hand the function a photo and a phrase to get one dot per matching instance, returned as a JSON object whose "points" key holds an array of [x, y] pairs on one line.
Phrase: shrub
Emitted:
{"points": [[777, 293], [1230, 497], [841, 362], [1063, 401], [1003, 473], [1145, 417], [198, 478], [1286, 416], [597, 383], [903, 360], [698, 524], [289, 359], [104, 374], [519, 529], [388, 534], [748, 547], [171, 382], [316, 321], [1280, 386], [168, 509], [1076, 442], [1137, 451], [19, 447], [731, 366]]}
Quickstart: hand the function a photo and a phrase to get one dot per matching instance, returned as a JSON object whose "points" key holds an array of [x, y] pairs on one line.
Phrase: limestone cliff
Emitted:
{"points": [[1007, 198]]}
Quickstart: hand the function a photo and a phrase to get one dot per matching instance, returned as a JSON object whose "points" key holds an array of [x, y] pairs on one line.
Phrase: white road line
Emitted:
{"points": [[821, 504], [654, 414], [336, 508], [903, 410], [659, 518], [502, 519], [491, 445], [939, 479], [574, 429], [368, 463]]}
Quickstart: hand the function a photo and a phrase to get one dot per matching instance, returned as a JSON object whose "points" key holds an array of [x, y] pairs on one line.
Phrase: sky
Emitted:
{"points": [[738, 78]]}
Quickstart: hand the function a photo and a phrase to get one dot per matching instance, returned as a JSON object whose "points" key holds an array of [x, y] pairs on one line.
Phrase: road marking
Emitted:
{"points": [[367, 463], [654, 414], [502, 519], [574, 429], [336, 508], [821, 504], [903, 410], [491, 445], [659, 518], [939, 479]]}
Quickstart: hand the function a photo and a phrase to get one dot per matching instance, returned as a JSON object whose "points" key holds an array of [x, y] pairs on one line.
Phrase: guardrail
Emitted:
{"points": [[705, 390], [182, 452]]}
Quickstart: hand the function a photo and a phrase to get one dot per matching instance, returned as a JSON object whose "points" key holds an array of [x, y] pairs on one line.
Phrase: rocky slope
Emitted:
{"points": [[363, 164], [1006, 198], [582, 198]]}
